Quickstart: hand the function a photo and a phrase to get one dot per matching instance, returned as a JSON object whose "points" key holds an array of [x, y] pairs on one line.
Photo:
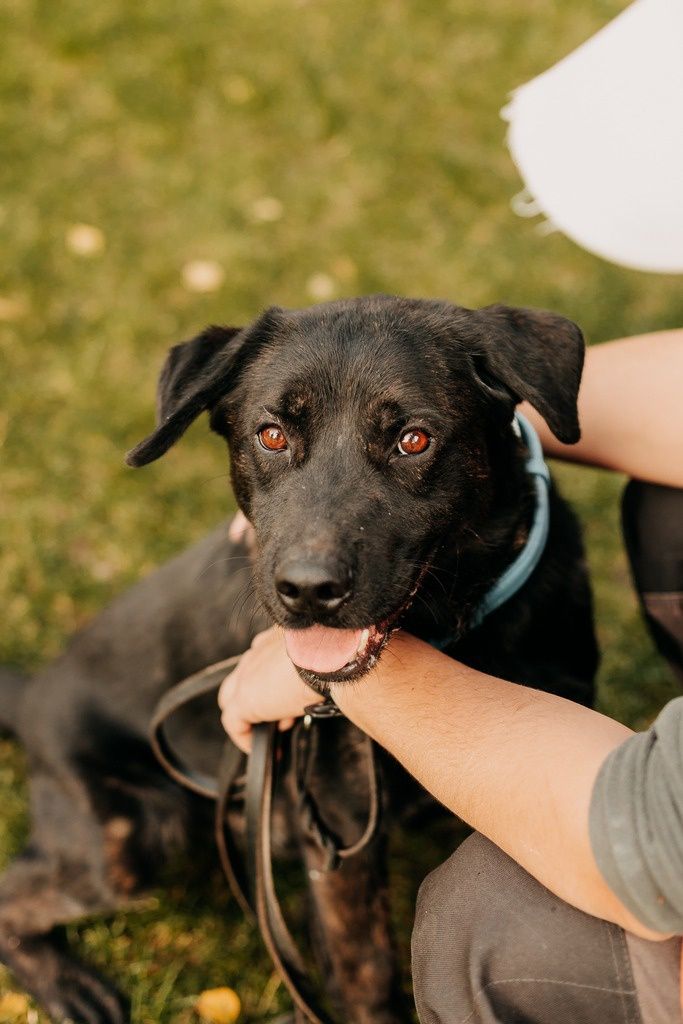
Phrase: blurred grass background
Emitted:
{"points": [[167, 164]]}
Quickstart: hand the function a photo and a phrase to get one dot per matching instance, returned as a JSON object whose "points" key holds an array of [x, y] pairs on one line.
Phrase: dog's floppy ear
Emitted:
{"points": [[538, 357], [194, 376]]}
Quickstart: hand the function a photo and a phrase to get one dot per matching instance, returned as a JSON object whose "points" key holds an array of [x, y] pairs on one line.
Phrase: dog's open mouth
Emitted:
{"points": [[331, 655], [323, 654]]}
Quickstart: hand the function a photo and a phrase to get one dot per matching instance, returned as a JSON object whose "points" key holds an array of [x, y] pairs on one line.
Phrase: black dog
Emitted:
{"points": [[373, 453]]}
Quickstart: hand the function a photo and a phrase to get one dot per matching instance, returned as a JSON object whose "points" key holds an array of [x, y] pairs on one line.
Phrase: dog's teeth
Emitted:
{"points": [[363, 642]]}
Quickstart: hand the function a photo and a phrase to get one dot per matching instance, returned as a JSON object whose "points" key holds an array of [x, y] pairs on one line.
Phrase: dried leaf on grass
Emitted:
{"points": [[218, 1005], [13, 1007]]}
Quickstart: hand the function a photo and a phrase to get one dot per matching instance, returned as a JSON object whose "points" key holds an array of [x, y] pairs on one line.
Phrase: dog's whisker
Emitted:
{"points": [[212, 479], [430, 609], [389, 652], [433, 575], [242, 568], [242, 597], [256, 610], [489, 544], [245, 594]]}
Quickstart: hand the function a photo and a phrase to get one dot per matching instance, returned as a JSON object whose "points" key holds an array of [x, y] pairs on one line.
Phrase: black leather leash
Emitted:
{"points": [[253, 886]]}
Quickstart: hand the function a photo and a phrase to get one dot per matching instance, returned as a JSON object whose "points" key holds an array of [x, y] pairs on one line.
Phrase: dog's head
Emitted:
{"points": [[362, 433]]}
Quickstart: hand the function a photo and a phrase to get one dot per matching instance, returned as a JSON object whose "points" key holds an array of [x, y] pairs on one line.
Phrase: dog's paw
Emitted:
{"points": [[67, 989]]}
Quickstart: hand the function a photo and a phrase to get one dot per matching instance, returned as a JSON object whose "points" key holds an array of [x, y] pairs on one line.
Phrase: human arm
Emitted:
{"points": [[517, 764], [630, 409]]}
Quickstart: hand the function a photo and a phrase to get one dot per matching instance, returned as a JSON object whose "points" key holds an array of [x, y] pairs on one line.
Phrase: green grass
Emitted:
{"points": [[164, 125]]}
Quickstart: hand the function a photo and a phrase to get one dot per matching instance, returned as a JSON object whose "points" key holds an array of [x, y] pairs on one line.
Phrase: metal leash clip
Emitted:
{"points": [[327, 709]]}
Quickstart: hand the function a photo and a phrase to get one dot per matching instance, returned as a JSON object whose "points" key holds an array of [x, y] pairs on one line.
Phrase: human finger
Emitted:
{"points": [[238, 729]]}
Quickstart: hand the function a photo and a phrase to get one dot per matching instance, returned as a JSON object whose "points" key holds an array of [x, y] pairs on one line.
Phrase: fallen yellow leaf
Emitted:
{"points": [[13, 1006], [85, 240], [219, 1006]]}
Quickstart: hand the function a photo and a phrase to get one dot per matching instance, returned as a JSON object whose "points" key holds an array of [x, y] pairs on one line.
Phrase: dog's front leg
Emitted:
{"points": [[356, 947], [352, 916]]}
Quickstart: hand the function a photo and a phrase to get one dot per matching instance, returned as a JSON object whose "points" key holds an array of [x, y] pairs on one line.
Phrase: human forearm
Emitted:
{"points": [[630, 409], [517, 764], [462, 733]]}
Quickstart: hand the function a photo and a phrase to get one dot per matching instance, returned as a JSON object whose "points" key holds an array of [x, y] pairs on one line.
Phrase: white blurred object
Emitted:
{"points": [[203, 275], [85, 240], [598, 140]]}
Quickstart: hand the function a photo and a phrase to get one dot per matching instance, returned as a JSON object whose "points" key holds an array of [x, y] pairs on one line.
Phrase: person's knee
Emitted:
{"points": [[468, 900], [459, 911], [453, 890], [491, 943], [652, 519]]}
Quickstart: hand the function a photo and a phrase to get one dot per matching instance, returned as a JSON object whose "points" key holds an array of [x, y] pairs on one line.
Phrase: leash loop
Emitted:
{"points": [[266, 741], [251, 880], [329, 843], [195, 686]]}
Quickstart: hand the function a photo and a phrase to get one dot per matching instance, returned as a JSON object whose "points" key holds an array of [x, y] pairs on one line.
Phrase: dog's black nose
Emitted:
{"points": [[313, 587]]}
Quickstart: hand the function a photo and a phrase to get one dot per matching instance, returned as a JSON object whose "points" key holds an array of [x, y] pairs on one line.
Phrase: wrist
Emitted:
{"points": [[360, 699], [391, 686]]}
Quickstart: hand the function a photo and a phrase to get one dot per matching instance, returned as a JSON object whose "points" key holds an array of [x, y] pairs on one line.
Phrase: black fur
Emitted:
{"points": [[344, 381]]}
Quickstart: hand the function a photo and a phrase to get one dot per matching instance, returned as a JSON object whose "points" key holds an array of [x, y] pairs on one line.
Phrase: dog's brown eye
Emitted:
{"points": [[272, 438], [414, 442]]}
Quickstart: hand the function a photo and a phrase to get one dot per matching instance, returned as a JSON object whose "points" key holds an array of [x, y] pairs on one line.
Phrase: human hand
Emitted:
{"points": [[240, 530], [264, 687]]}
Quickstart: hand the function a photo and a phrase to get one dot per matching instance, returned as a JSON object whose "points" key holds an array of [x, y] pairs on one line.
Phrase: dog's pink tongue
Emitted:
{"points": [[321, 649]]}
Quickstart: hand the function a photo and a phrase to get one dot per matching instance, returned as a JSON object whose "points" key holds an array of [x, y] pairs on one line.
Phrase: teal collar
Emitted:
{"points": [[516, 574]]}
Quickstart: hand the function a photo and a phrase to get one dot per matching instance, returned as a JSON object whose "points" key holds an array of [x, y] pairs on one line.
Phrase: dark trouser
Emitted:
{"points": [[491, 945], [652, 519]]}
